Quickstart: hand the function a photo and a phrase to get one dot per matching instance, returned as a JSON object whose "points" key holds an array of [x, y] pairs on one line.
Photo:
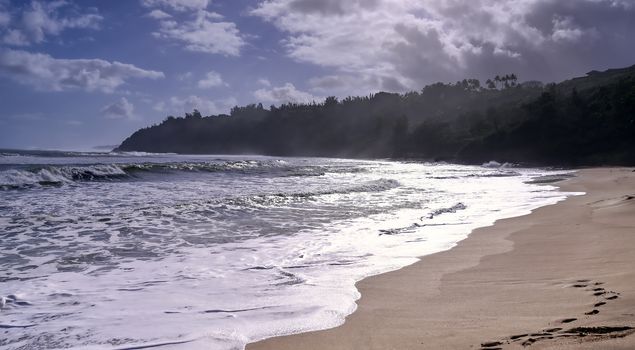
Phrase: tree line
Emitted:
{"points": [[583, 121]]}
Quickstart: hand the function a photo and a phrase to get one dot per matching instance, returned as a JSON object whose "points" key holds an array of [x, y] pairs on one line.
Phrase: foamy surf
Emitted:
{"points": [[30, 175], [195, 252]]}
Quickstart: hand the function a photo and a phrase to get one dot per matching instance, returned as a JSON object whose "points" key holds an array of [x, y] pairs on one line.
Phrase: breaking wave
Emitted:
{"points": [[56, 176], [62, 175], [496, 165]]}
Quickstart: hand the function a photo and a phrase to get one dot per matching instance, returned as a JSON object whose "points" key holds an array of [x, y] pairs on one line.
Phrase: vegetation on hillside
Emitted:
{"points": [[583, 121]]}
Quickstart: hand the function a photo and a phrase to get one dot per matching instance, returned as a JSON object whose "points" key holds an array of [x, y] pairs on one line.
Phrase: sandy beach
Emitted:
{"points": [[562, 277]]}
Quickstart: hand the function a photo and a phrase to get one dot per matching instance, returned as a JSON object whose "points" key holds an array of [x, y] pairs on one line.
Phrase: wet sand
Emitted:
{"points": [[562, 277]]}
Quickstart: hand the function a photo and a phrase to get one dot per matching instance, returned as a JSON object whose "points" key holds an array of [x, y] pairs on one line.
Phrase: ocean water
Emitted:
{"points": [[129, 251]]}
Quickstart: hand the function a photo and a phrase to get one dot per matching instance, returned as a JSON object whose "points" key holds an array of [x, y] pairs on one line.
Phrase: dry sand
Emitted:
{"points": [[573, 261]]}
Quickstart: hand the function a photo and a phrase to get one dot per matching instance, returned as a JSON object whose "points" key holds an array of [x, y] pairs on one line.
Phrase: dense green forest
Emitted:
{"points": [[583, 121]]}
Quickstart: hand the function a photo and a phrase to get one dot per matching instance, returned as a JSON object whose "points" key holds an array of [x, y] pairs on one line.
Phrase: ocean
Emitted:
{"points": [[135, 250]]}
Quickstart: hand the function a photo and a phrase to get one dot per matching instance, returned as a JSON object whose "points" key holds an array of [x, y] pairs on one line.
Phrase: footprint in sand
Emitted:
{"points": [[527, 339], [582, 331], [491, 345], [544, 334], [553, 330]]}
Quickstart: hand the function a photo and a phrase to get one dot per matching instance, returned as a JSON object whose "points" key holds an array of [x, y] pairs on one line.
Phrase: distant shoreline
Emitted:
{"points": [[559, 277]]}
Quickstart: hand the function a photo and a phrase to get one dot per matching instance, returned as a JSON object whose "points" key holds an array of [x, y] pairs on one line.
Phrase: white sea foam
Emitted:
{"points": [[216, 259], [496, 165]]}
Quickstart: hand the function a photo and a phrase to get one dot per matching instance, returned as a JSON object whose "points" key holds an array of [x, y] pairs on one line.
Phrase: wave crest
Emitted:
{"points": [[55, 176]]}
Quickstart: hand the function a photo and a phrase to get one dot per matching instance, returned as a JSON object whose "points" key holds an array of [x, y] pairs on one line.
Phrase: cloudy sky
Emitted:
{"points": [[81, 73]]}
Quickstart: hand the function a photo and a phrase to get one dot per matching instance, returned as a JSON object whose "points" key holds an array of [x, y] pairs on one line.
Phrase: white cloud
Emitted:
{"points": [[207, 32], [264, 82], [189, 103], [15, 37], [122, 109], [47, 73], [180, 105], [158, 14], [398, 45], [212, 79], [284, 94], [33, 23], [564, 29], [358, 39], [178, 5]]}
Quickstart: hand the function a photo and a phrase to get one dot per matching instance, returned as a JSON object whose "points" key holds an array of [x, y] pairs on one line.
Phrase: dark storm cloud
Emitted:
{"points": [[404, 44], [586, 34]]}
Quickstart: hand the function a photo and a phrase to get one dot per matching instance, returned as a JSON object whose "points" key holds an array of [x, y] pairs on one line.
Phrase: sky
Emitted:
{"points": [[76, 74]]}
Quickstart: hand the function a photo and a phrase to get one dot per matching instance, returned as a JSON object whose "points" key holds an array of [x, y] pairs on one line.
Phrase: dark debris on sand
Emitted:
{"points": [[589, 333]]}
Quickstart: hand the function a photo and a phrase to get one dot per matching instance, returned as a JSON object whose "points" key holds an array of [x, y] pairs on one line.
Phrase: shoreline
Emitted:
{"points": [[549, 279]]}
